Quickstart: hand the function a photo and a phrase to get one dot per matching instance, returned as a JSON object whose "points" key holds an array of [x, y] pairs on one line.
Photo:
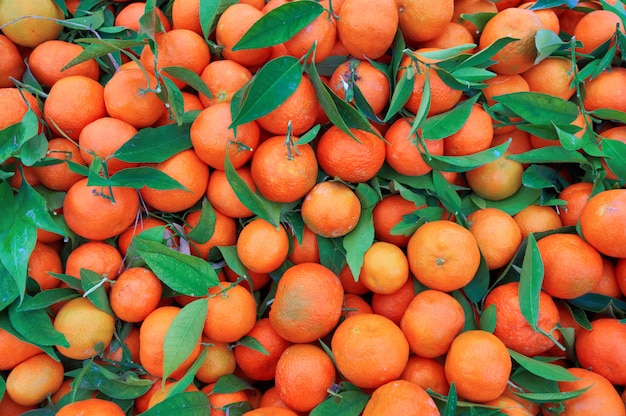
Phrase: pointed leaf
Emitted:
{"points": [[546, 370], [465, 163], [98, 48], [358, 241], [210, 11], [47, 298], [549, 154], [36, 327], [539, 108], [154, 145], [531, 280], [203, 231], [279, 25], [230, 383], [183, 335], [348, 403], [193, 403], [189, 77], [615, 152], [93, 286], [488, 319], [445, 124]]}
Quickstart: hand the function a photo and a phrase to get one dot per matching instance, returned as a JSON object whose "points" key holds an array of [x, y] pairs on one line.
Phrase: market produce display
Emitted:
{"points": [[334, 207]]}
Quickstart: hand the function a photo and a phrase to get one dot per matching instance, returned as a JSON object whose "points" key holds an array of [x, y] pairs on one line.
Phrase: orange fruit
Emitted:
{"points": [[97, 212], [475, 135], [116, 131], [520, 141], [322, 32], [572, 267], [595, 28], [224, 233], [454, 34], [12, 65], [367, 34], [479, 365], [553, 76], [60, 177], [431, 321], [222, 195], [161, 394], [620, 275], [129, 16], [354, 305], [219, 361], [304, 373], [339, 155], [13, 350], [604, 90], [85, 327], [501, 85], [151, 338], [536, 219], [469, 7], [97, 256], [602, 222], [400, 397], [191, 102], [496, 180], [371, 82], [130, 96], [385, 268], [306, 251], [519, 55], [387, 213], [406, 154], [608, 284], [255, 364], [508, 406], [125, 238], [614, 133], [270, 411], [497, 234], [282, 170], [393, 305], [223, 78], [191, 172], [186, 15], [74, 102], [47, 60], [177, 47], [576, 196], [548, 17], [135, 293], [602, 347], [300, 110], [428, 373], [331, 209], [261, 246], [369, 350], [231, 26], [231, 312], [442, 96], [93, 407], [33, 379], [30, 31], [211, 137], [307, 304], [252, 281], [443, 255], [9, 408], [128, 345], [350, 284], [44, 260], [419, 21], [511, 326], [600, 398], [221, 402], [16, 102]]}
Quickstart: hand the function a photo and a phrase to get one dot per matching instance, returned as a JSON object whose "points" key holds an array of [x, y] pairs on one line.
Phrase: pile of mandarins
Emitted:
{"points": [[334, 207]]}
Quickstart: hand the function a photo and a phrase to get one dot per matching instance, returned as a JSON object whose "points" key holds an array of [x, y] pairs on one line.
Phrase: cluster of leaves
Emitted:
{"points": [[23, 308]]}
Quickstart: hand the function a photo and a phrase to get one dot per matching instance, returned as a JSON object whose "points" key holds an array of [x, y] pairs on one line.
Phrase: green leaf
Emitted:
{"points": [[252, 343], [451, 404], [309, 136], [137, 178], [16, 244], [203, 231], [549, 154], [35, 326], [542, 369], [186, 380], [539, 108], [154, 145], [194, 403], [531, 279], [230, 383], [448, 196], [332, 253], [479, 19], [8, 288], [34, 150], [478, 287], [189, 77], [482, 58], [595, 302], [488, 319], [359, 240], [552, 397], [401, 94], [465, 163], [444, 124], [615, 152], [229, 253], [33, 209], [48, 298], [175, 100], [347, 403], [183, 335], [468, 310], [279, 25], [276, 81], [547, 42], [257, 203], [185, 274], [126, 385], [99, 47], [609, 114], [210, 10], [548, 4], [93, 285]]}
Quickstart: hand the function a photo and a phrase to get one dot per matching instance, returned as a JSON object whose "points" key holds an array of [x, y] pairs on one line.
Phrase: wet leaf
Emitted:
{"points": [[183, 335], [279, 25]]}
